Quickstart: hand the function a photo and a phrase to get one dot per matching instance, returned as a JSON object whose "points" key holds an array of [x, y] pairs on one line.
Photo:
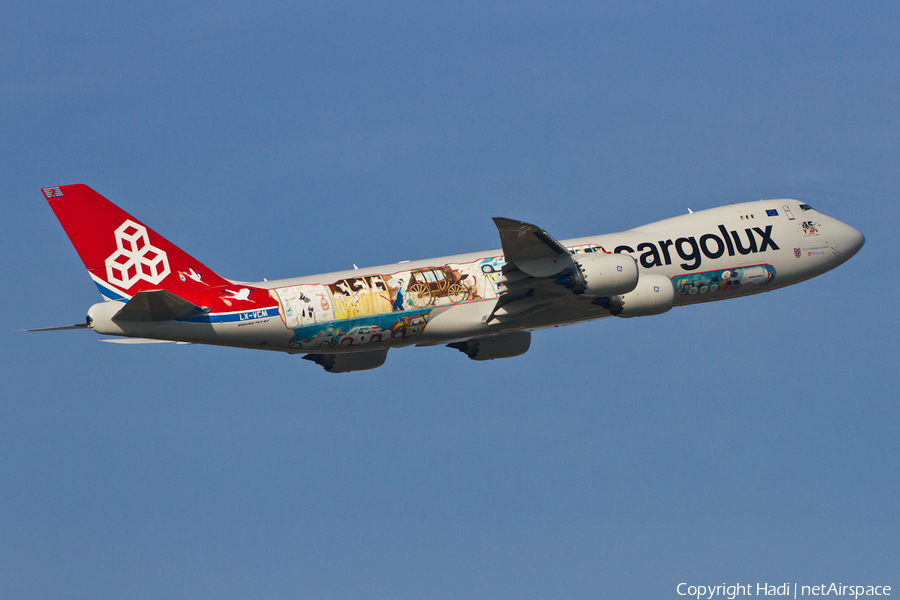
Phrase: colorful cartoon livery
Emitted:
{"points": [[484, 304]]}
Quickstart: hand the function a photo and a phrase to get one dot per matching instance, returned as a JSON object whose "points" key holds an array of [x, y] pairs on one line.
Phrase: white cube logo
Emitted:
{"points": [[135, 259]]}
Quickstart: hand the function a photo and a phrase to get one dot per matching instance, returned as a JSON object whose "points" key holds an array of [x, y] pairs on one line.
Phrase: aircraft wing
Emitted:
{"points": [[538, 269], [531, 249]]}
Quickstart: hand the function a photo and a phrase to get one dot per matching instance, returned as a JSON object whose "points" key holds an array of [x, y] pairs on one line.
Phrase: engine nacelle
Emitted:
{"points": [[603, 274], [349, 361], [505, 345], [653, 295]]}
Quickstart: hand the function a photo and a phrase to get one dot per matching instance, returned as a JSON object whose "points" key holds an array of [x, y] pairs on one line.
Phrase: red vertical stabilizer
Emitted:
{"points": [[122, 255]]}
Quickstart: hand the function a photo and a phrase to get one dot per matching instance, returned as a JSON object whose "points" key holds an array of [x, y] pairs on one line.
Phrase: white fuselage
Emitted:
{"points": [[708, 255]]}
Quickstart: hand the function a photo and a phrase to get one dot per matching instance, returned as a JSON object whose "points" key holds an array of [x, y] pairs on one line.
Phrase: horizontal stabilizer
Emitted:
{"points": [[57, 328], [141, 341], [158, 305]]}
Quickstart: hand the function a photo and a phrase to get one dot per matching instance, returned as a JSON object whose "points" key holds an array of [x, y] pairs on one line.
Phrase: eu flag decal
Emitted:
{"points": [[772, 213]]}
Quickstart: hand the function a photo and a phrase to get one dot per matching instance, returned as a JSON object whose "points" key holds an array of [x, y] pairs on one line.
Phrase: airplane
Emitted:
{"points": [[484, 304]]}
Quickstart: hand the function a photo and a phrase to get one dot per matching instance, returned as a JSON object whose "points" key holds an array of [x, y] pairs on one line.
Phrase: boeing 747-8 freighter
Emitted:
{"points": [[485, 304]]}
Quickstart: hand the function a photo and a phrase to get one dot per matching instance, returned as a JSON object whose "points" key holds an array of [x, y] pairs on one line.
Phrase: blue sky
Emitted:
{"points": [[745, 441]]}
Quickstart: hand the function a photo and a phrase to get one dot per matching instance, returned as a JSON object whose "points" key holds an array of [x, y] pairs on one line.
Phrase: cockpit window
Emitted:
{"points": [[806, 207]]}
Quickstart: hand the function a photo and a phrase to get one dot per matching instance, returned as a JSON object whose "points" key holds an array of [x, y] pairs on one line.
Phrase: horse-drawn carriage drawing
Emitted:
{"points": [[429, 284]]}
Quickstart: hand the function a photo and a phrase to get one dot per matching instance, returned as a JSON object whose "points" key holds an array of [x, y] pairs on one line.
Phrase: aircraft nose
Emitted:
{"points": [[849, 240]]}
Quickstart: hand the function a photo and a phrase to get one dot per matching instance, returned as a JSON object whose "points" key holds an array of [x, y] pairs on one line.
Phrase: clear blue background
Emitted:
{"points": [[747, 441]]}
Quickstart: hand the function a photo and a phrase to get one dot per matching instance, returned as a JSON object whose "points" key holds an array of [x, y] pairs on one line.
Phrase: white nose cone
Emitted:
{"points": [[849, 240]]}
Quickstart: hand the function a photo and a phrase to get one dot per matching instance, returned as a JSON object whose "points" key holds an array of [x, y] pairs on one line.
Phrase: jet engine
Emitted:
{"points": [[505, 345], [600, 274], [653, 295], [349, 361]]}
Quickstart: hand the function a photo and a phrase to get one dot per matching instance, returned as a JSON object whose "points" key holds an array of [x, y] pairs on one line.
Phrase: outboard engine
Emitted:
{"points": [[600, 274], [653, 295]]}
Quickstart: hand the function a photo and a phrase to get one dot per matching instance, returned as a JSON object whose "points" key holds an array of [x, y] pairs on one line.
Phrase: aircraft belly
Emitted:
{"points": [[467, 321], [265, 334], [388, 330]]}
